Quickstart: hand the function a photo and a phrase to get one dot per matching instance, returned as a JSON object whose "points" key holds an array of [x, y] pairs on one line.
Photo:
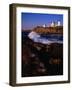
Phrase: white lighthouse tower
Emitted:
{"points": [[58, 24]]}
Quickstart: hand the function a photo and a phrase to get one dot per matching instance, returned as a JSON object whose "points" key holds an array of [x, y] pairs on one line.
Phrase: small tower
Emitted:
{"points": [[58, 24]]}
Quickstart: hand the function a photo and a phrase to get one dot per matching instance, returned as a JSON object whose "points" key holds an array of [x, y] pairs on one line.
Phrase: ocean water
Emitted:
{"points": [[45, 39]]}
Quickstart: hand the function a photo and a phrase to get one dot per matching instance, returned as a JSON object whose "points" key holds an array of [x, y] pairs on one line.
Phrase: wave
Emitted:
{"points": [[44, 40]]}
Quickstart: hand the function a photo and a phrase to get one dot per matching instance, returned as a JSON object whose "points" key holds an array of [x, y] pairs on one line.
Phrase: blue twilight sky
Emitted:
{"points": [[31, 20]]}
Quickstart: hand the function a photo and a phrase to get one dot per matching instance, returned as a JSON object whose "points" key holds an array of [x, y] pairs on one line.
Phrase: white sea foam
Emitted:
{"points": [[37, 38]]}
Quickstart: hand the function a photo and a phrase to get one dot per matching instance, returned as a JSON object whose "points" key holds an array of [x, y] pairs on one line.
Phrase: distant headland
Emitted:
{"points": [[51, 29]]}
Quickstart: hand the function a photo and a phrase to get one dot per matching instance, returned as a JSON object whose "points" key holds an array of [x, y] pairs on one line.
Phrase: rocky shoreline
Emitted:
{"points": [[41, 60]]}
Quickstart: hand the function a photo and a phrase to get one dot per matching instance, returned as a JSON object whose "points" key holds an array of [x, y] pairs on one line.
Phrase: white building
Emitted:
{"points": [[44, 25], [52, 24]]}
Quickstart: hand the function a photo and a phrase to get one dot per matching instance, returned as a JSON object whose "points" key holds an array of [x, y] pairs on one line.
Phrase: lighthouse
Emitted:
{"points": [[58, 24]]}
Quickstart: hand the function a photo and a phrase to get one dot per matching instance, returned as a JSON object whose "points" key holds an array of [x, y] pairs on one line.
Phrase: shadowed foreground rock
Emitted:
{"points": [[40, 60]]}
